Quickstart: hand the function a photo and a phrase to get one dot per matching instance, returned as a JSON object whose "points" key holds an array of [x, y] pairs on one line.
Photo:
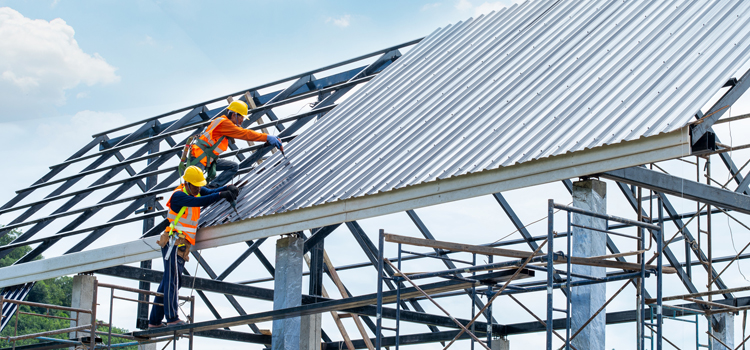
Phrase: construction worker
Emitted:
{"points": [[216, 138], [184, 211]]}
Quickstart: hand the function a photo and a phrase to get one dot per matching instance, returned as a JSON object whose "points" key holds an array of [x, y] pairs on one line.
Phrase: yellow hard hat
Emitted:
{"points": [[238, 107], [194, 175]]}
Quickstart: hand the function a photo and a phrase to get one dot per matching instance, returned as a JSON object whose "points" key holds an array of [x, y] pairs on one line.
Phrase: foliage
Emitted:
{"points": [[56, 291]]}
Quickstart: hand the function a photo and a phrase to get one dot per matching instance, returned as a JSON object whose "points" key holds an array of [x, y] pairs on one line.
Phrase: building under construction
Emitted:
{"points": [[607, 124]]}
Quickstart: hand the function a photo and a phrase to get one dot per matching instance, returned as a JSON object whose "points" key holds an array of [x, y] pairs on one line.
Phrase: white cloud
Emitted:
{"points": [[39, 60], [431, 6], [488, 7], [342, 21], [82, 95], [463, 5]]}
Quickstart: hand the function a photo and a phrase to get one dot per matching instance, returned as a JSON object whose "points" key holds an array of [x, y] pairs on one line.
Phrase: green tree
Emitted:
{"points": [[57, 291]]}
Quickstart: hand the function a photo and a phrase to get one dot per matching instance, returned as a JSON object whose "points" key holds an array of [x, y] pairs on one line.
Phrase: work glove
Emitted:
{"points": [[233, 190], [273, 141], [227, 195]]}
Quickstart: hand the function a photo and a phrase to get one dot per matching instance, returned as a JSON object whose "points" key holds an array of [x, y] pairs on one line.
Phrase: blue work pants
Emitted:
{"points": [[169, 286], [227, 168]]}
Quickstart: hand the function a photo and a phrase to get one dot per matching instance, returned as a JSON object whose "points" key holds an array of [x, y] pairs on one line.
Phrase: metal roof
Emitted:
{"points": [[531, 81]]}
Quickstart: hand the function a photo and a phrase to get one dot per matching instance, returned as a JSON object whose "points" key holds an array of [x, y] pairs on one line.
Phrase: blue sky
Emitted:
{"points": [[69, 69]]}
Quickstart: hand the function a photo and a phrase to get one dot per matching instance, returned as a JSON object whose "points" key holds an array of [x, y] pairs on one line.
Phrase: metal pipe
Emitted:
{"points": [[568, 295], [473, 297], [192, 320], [398, 298], [641, 289], [139, 291], [93, 314], [660, 277], [475, 268], [434, 256], [47, 306], [41, 334], [605, 216], [605, 231], [550, 269], [111, 307], [379, 308]]}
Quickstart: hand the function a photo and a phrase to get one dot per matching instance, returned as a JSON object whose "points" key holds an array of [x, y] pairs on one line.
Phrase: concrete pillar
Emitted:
{"points": [[589, 195], [724, 330], [149, 346], [83, 298], [287, 292], [500, 344]]}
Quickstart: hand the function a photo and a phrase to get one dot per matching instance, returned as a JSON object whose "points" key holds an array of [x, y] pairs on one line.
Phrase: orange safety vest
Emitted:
{"points": [[208, 138], [185, 222]]}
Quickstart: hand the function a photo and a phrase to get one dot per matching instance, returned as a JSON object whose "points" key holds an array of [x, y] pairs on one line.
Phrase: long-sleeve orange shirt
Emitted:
{"points": [[228, 129]]}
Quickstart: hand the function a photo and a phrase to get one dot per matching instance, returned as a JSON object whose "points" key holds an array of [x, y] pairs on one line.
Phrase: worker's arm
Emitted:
{"points": [[181, 199], [228, 129], [205, 191]]}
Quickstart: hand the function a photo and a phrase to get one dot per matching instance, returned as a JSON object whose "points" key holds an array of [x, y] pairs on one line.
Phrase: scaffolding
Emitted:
{"points": [[132, 167], [524, 267]]}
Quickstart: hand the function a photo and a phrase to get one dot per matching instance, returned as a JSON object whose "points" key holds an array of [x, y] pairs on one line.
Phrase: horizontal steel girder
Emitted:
{"points": [[680, 187], [208, 285]]}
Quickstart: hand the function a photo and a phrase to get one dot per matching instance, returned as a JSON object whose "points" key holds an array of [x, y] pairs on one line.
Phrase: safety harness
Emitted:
{"points": [[172, 237]]}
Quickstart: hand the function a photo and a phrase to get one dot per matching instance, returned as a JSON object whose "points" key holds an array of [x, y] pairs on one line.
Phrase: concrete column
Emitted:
{"points": [[149, 346], [724, 330], [500, 344], [589, 195], [83, 297], [287, 292]]}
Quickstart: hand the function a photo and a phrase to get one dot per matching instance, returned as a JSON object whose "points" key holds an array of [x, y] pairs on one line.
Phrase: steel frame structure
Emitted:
{"points": [[158, 176]]}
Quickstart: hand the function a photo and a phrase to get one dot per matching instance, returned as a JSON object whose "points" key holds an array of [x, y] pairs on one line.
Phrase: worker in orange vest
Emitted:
{"points": [[184, 212], [215, 140]]}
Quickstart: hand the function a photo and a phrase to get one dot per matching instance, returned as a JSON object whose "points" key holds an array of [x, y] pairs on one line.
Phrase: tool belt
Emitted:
{"points": [[182, 244]]}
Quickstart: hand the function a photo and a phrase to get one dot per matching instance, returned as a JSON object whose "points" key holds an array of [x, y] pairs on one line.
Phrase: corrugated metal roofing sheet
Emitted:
{"points": [[530, 81]]}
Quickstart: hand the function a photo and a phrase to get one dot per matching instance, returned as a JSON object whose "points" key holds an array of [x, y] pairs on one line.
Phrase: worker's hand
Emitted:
{"points": [[226, 195], [274, 141], [233, 190]]}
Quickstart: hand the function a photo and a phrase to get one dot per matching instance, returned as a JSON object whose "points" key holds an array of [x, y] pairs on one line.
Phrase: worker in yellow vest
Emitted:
{"points": [[215, 140], [184, 212]]}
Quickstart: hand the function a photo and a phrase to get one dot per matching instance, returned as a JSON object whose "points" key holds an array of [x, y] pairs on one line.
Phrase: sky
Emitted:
{"points": [[69, 69]]}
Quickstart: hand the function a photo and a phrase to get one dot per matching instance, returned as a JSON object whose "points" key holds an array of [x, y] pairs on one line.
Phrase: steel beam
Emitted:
{"points": [[617, 317], [209, 285], [720, 107], [680, 187], [324, 306], [250, 250]]}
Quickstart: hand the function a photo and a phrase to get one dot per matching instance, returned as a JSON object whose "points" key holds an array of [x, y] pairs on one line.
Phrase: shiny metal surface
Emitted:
{"points": [[535, 80]]}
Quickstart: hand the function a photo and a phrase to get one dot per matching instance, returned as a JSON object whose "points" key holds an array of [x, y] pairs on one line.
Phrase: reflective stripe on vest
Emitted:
{"points": [[210, 139], [185, 222]]}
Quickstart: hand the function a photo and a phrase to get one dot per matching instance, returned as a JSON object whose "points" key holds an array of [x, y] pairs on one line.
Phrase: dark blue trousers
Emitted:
{"points": [[169, 286]]}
